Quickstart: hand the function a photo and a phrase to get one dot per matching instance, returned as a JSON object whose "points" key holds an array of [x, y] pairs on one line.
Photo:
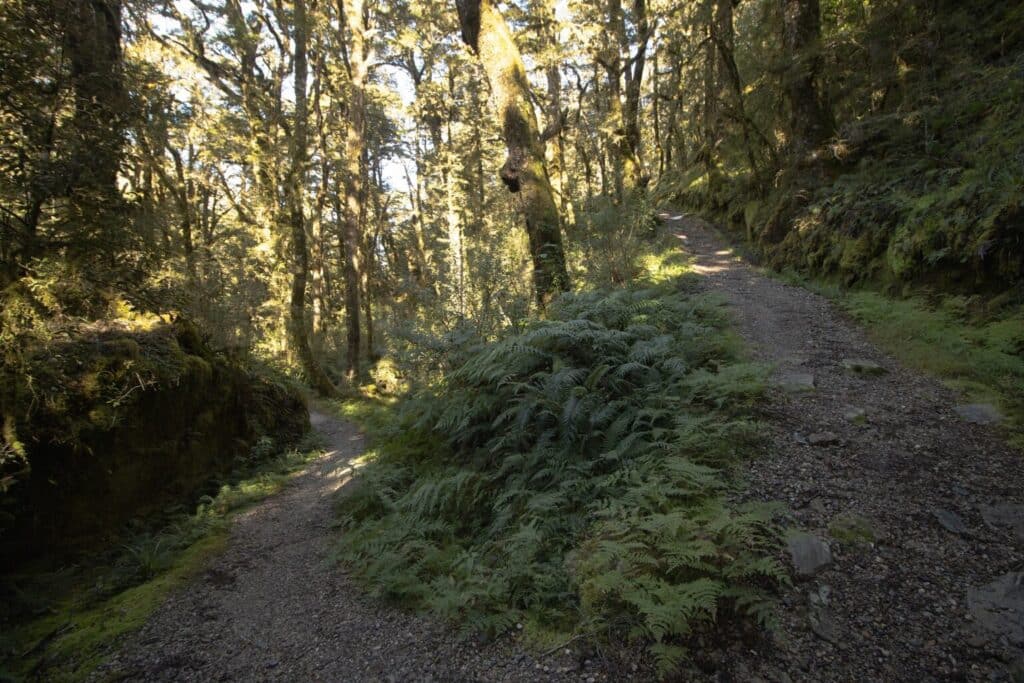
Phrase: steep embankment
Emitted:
{"points": [[919, 184], [110, 424]]}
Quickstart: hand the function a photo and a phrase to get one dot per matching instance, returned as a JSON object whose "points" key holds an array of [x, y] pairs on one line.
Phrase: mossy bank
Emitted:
{"points": [[109, 424]]}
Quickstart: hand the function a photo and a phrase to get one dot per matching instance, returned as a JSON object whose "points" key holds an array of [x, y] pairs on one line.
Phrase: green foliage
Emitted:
{"points": [[981, 358], [609, 240], [852, 529], [575, 476], [921, 182]]}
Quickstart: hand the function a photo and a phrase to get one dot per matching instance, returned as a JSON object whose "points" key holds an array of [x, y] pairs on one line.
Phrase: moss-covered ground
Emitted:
{"points": [[976, 347]]}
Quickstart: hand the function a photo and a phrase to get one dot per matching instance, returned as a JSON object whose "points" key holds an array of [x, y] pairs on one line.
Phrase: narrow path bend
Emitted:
{"points": [[271, 608], [940, 497]]}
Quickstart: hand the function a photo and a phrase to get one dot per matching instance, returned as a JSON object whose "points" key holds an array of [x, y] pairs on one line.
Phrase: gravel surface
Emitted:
{"points": [[271, 608], [874, 462], [907, 567]]}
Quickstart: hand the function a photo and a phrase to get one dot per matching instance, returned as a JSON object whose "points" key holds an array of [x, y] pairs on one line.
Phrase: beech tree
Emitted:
{"points": [[809, 121], [524, 172]]}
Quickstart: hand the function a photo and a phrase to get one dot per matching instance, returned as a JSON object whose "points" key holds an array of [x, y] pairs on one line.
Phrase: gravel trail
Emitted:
{"points": [[271, 608], [913, 554], [925, 580]]}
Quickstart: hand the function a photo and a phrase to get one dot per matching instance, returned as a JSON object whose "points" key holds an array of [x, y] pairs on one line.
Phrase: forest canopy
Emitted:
{"points": [[319, 183]]}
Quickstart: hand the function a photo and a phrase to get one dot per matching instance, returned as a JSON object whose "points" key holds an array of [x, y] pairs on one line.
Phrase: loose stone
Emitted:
{"points": [[809, 554], [950, 521]]}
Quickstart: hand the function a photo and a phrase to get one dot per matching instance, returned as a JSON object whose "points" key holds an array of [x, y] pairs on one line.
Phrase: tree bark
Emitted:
{"points": [[92, 34], [623, 119], [809, 122], [457, 270], [554, 144], [298, 329], [524, 173], [710, 111], [634, 73], [728, 72], [353, 13]]}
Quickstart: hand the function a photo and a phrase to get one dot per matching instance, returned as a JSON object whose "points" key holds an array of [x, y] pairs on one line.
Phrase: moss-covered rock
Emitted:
{"points": [[854, 529], [112, 424]]}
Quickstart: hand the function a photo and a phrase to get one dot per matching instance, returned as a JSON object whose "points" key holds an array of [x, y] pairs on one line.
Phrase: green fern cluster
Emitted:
{"points": [[576, 475]]}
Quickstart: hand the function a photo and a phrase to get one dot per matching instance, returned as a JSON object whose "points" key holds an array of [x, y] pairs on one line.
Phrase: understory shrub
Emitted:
{"points": [[577, 476]]}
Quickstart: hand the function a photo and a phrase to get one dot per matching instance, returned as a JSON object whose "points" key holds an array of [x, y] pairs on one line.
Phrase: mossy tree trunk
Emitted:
{"points": [[524, 173], [93, 42], [295, 190], [709, 113], [636, 176], [729, 81], [623, 116], [723, 90], [353, 14], [555, 127]]}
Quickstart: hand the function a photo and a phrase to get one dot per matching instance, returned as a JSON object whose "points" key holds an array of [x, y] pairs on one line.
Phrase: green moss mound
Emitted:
{"points": [[102, 424], [575, 478]]}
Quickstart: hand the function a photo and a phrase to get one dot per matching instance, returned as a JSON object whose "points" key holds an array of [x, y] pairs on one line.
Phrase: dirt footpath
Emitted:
{"points": [[909, 566], [271, 608]]}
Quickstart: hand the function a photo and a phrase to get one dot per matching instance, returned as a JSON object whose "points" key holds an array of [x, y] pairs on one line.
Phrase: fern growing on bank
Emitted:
{"points": [[576, 476]]}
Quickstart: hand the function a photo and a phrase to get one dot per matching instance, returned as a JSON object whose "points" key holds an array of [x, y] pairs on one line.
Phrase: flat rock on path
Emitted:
{"points": [[271, 608], [906, 605]]}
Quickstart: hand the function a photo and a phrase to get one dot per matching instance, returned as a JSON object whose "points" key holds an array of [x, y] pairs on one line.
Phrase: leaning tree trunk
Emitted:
{"points": [[524, 172], [298, 330]]}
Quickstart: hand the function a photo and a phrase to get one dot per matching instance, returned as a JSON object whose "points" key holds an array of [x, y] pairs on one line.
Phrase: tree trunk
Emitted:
{"points": [[524, 172], [353, 12], [456, 264], [809, 122], [296, 189], [92, 33], [420, 259], [656, 114], [623, 120], [554, 148], [637, 176], [711, 103], [728, 73]]}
